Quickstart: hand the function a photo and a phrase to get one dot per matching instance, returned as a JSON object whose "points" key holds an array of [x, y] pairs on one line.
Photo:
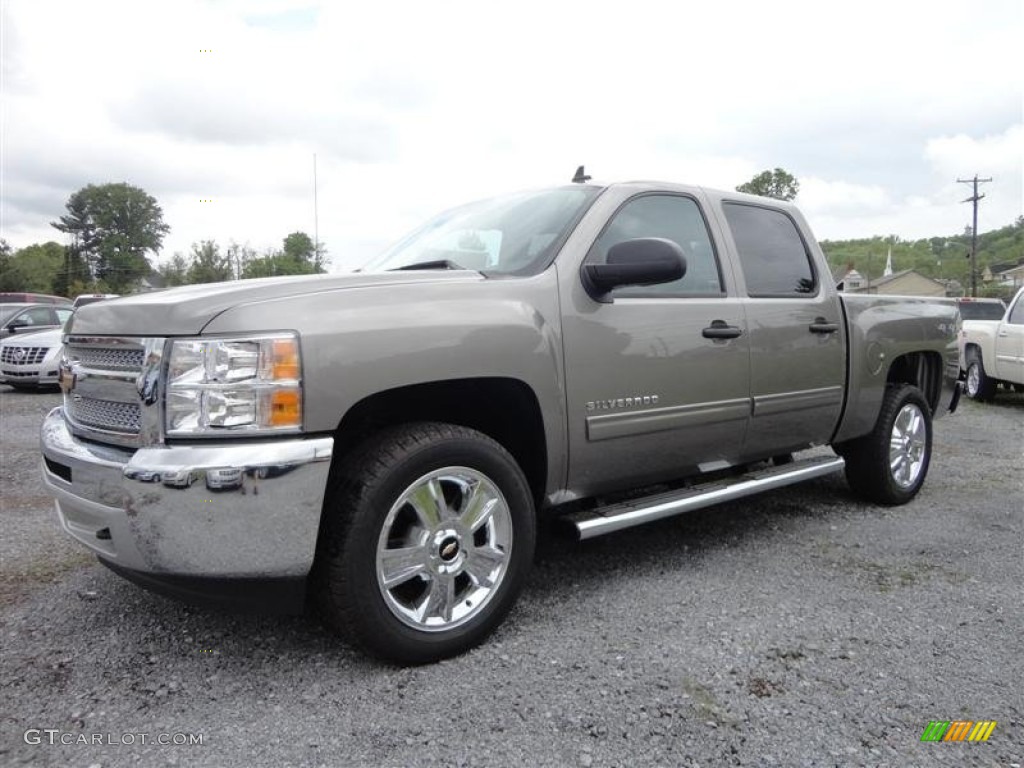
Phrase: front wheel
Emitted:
{"points": [[979, 385], [426, 543], [889, 465]]}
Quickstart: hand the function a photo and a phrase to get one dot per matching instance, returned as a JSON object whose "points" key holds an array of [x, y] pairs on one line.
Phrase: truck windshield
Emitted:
{"points": [[510, 235]]}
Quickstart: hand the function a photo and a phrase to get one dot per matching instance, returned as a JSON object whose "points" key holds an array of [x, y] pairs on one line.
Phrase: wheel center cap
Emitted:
{"points": [[449, 549]]}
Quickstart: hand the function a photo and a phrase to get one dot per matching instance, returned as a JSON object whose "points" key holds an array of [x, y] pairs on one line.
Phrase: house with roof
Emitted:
{"points": [[907, 282], [846, 278], [1005, 274]]}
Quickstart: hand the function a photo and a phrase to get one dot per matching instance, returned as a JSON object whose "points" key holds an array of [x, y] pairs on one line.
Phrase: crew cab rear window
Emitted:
{"points": [[772, 253], [981, 310], [673, 217]]}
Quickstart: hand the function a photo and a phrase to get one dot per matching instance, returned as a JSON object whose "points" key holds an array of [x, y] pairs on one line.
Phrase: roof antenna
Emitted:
{"points": [[580, 177]]}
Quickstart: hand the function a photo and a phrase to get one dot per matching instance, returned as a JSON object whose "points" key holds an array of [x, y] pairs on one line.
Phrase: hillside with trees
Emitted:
{"points": [[942, 257]]}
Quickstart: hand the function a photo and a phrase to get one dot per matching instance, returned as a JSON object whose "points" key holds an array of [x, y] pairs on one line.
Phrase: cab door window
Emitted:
{"points": [[673, 217]]}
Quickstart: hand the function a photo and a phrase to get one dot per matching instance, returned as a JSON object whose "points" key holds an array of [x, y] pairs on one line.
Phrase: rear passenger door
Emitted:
{"points": [[796, 330]]}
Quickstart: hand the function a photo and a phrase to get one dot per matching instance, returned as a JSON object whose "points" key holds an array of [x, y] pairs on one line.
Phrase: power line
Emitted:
{"points": [[974, 228]]}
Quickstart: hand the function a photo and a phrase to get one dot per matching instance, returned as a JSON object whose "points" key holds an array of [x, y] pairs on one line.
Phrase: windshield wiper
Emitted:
{"points": [[434, 264]]}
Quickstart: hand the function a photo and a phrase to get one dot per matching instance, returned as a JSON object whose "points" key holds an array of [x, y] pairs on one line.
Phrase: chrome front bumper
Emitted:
{"points": [[154, 510]]}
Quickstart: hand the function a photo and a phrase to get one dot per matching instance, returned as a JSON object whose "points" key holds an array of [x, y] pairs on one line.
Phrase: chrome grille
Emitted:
{"points": [[104, 414], [29, 355], [106, 358], [103, 401]]}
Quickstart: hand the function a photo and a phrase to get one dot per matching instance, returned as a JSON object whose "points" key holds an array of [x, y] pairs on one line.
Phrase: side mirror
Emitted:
{"points": [[14, 326], [643, 261]]}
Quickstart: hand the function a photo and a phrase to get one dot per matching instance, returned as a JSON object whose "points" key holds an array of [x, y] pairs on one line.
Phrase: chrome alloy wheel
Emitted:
{"points": [[907, 445], [973, 380], [443, 549]]}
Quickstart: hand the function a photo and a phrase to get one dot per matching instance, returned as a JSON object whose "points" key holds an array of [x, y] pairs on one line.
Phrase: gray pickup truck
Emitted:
{"points": [[381, 443]]}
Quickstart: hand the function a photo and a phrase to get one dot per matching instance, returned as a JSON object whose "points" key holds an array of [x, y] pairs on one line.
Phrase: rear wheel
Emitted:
{"points": [[426, 543], [889, 465]]}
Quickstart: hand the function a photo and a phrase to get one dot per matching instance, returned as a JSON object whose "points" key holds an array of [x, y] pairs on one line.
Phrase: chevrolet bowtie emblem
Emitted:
{"points": [[66, 379]]}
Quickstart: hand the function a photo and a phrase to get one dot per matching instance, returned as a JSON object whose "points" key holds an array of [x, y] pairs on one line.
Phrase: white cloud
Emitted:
{"points": [[412, 107], [1000, 153], [841, 198]]}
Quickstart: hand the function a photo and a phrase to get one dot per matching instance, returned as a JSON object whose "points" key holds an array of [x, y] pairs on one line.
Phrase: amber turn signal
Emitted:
{"points": [[285, 408], [284, 359]]}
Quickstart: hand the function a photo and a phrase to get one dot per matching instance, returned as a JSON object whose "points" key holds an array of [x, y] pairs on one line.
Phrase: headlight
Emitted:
{"points": [[247, 385]]}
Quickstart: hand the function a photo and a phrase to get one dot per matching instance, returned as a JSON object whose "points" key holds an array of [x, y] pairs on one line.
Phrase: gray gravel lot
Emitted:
{"points": [[799, 628]]}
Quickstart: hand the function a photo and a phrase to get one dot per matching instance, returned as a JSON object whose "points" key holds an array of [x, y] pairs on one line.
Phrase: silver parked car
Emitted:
{"points": [[178, 478], [223, 479], [21, 318], [31, 360]]}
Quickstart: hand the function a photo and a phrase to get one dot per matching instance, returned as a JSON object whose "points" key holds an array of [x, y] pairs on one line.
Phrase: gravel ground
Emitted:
{"points": [[800, 628]]}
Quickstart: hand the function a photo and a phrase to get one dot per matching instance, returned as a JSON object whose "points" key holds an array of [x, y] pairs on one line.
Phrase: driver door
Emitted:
{"points": [[651, 393]]}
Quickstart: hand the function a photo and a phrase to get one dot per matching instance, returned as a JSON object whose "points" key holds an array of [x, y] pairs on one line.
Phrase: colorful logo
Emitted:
{"points": [[958, 730]]}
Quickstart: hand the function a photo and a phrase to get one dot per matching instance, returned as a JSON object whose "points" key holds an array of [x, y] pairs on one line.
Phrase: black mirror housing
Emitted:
{"points": [[642, 261]]}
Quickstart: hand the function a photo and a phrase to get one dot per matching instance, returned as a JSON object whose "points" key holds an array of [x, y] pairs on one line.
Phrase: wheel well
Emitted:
{"points": [[971, 350], [505, 410], [921, 369]]}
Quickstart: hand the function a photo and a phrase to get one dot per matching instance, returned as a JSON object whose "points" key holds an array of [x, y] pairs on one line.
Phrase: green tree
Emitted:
{"points": [[209, 265], [35, 268], [174, 271], [74, 276], [239, 256], [113, 226], [298, 257], [777, 184], [6, 252], [302, 256]]}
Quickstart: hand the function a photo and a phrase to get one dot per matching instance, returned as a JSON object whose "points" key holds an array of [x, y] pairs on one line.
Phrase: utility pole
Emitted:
{"points": [[974, 228]]}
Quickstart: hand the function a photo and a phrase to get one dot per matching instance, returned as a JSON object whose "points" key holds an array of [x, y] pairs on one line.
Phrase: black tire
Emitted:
{"points": [[905, 415], [371, 511], [978, 386]]}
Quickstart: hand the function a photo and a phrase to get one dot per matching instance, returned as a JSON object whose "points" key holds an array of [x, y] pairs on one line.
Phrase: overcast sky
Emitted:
{"points": [[412, 107]]}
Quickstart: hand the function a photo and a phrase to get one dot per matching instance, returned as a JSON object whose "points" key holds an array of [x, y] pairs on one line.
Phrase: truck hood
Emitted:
{"points": [[187, 310]]}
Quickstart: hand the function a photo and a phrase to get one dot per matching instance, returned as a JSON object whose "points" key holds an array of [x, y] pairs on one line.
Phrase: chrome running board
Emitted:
{"points": [[626, 514]]}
